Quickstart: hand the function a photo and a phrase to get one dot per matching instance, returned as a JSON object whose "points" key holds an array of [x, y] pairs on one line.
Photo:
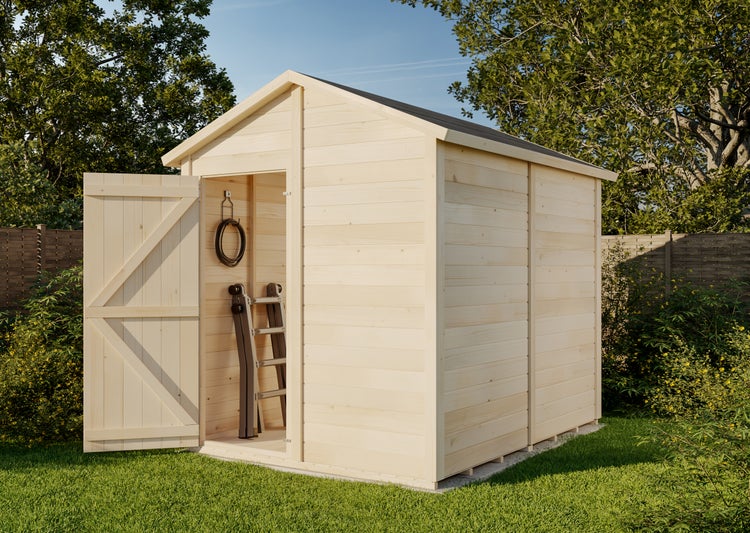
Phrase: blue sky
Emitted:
{"points": [[409, 54]]}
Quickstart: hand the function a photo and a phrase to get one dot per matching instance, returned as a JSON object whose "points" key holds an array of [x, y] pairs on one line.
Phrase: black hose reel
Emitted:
{"points": [[226, 222]]}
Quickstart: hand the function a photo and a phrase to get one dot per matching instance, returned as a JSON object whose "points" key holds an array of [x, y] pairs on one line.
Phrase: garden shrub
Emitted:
{"points": [[628, 294], [690, 347], [694, 382], [671, 353], [41, 385]]}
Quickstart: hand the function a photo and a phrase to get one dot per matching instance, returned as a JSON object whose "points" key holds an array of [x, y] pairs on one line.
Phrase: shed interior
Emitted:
{"points": [[258, 202]]}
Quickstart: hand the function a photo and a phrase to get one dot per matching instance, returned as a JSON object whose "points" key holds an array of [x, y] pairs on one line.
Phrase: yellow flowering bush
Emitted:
{"points": [[41, 384], [706, 393], [693, 382]]}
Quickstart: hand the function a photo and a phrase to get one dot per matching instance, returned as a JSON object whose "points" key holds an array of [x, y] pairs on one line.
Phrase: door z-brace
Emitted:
{"points": [[251, 416]]}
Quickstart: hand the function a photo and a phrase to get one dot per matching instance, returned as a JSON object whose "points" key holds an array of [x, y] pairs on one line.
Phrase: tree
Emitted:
{"points": [[84, 89], [658, 90], [28, 197]]}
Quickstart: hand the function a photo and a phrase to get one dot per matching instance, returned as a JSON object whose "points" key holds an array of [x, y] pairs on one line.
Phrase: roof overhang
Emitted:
{"points": [[289, 79]]}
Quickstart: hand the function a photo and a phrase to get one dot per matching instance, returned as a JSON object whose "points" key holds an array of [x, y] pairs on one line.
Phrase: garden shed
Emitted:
{"points": [[441, 285]]}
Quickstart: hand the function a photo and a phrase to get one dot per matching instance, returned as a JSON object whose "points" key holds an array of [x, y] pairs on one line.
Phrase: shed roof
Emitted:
{"points": [[442, 127]]}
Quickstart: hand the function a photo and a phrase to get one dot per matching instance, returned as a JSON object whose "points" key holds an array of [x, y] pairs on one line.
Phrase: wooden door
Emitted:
{"points": [[141, 235]]}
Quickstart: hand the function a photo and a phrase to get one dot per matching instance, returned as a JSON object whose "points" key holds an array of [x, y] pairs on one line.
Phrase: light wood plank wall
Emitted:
{"points": [[364, 381], [485, 331], [269, 266], [565, 304]]}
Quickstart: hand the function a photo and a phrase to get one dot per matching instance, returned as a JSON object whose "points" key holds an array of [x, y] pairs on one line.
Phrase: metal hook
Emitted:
{"points": [[227, 198]]}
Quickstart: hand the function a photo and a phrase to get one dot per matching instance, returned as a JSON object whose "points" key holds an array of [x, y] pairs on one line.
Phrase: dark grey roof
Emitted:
{"points": [[456, 124]]}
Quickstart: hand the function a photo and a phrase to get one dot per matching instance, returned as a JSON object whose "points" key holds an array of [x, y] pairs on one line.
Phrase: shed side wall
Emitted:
{"points": [[486, 305], [364, 383], [565, 301]]}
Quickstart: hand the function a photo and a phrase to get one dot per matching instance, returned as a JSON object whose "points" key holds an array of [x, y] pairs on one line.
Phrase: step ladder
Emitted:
{"points": [[251, 416]]}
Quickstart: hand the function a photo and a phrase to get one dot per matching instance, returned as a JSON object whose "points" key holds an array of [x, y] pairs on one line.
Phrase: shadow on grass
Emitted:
{"points": [[618, 443], [62, 455]]}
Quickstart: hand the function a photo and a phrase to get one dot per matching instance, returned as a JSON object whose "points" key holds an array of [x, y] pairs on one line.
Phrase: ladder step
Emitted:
{"points": [[270, 394], [272, 362], [266, 331], [266, 300]]}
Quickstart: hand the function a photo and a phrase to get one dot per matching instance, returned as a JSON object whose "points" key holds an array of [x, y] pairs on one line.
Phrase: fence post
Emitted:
{"points": [[41, 230], [668, 263]]}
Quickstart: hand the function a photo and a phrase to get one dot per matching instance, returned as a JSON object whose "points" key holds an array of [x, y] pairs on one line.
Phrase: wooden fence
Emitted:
{"points": [[26, 252], [703, 258]]}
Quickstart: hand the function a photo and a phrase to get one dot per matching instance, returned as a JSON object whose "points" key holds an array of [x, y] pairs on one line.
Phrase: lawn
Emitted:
{"points": [[599, 482]]}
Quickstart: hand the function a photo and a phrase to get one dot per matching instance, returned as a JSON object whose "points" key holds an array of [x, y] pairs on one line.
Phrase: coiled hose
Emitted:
{"points": [[224, 258]]}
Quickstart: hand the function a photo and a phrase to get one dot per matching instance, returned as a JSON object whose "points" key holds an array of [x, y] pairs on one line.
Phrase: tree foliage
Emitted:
{"points": [[88, 89], [657, 90], [28, 196], [650, 203]]}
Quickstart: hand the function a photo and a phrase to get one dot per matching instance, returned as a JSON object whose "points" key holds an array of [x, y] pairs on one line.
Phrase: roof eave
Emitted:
{"points": [[496, 147]]}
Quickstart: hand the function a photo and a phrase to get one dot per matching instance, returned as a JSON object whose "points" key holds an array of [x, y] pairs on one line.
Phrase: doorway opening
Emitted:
{"points": [[259, 204]]}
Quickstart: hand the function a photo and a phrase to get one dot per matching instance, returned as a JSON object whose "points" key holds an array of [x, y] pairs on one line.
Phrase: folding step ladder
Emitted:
{"points": [[251, 416]]}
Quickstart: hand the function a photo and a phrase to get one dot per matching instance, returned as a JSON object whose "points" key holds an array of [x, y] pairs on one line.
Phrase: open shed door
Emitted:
{"points": [[140, 267]]}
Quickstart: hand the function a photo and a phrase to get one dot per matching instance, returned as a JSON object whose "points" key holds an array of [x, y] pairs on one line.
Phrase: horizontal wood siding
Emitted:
{"points": [[565, 301], [260, 143], [364, 358], [485, 380]]}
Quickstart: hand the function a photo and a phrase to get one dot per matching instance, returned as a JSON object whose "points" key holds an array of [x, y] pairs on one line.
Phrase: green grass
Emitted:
{"points": [[599, 482]]}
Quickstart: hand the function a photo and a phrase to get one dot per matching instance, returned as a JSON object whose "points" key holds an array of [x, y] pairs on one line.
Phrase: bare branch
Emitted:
{"points": [[706, 136], [677, 128], [734, 143], [694, 177], [108, 60], [527, 30], [642, 168], [706, 118]]}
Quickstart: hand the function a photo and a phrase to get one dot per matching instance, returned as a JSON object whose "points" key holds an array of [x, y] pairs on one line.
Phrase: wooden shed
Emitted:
{"points": [[441, 282]]}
